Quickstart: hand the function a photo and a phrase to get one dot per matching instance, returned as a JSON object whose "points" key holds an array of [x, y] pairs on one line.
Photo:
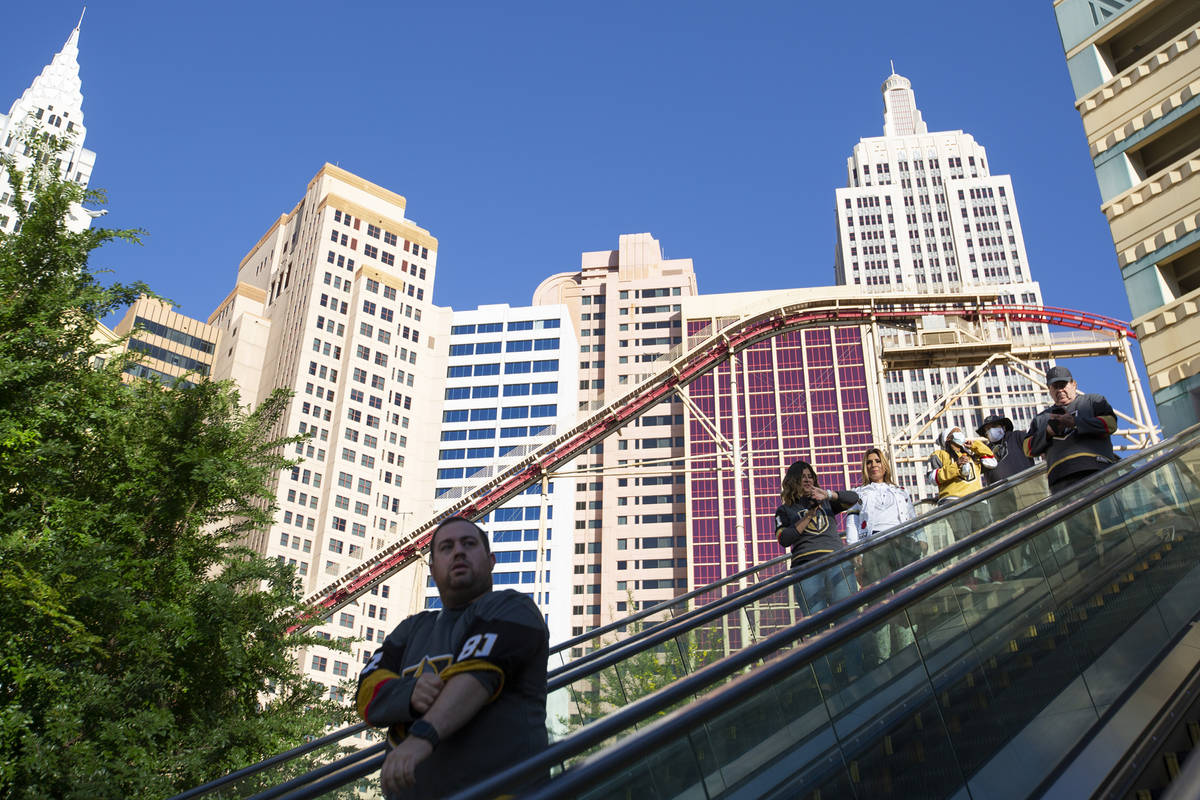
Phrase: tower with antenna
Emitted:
{"points": [[54, 103]]}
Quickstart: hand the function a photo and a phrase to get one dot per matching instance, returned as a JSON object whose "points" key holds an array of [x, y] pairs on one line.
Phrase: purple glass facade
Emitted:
{"points": [[802, 395]]}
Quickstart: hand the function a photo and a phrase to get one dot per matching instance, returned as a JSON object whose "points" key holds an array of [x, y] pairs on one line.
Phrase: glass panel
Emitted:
{"points": [[986, 684]]}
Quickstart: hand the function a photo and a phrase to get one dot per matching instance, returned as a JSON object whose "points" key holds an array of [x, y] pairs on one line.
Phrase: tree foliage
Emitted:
{"points": [[138, 641]]}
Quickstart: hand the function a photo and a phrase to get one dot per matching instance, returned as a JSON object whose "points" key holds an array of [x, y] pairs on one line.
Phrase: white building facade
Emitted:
{"points": [[922, 212], [53, 103], [334, 304], [510, 387]]}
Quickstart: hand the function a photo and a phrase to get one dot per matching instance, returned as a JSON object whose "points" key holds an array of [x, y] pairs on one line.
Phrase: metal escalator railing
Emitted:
{"points": [[1113, 565], [1023, 510], [699, 606]]}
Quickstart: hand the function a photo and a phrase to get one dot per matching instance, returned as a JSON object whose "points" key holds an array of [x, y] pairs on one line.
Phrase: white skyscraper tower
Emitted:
{"points": [[53, 101], [921, 212]]}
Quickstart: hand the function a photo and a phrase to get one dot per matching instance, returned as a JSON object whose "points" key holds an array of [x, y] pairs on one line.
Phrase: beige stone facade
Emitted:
{"points": [[630, 498], [1135, 68], [334, 304]]}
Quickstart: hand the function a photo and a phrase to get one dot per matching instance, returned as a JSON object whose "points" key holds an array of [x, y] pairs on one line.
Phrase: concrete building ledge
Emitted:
{"points": [[1151, 63], [1170, 340], [1159, 240], [1148, 118], [1143, 192]]}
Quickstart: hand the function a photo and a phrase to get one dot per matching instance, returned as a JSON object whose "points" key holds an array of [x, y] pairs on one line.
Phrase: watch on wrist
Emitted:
{"points": [[424, 730]]}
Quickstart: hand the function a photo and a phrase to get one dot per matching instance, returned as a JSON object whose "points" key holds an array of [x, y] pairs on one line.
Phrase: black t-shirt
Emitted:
{"points": [[501, 640], [820, 536]]}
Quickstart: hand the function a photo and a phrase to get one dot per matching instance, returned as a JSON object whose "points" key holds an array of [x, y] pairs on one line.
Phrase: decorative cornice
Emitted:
{"points": [[1144, 192], [1148, 118], [1135, 73], [1159, 240]]}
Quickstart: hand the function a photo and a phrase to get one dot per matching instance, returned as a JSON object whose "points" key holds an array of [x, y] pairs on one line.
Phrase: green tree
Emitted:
{"points": [[142, 651]]}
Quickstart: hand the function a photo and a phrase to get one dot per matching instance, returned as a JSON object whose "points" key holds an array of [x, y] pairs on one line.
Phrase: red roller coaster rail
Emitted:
{"points": [[690, 365]]}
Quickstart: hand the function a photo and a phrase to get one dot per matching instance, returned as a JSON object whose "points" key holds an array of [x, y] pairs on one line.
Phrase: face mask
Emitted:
{"points": [[959, 438], [995, 434]]}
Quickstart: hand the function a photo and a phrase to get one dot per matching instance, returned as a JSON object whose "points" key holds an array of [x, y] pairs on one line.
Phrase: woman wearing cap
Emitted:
{"points": [[883, 505], [805, 523], [1006, 444]]}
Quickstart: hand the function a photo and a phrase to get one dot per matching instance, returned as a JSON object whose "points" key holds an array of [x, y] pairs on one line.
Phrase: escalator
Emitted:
{"points": [[1027, 643], [590, 675], [687, 638]]}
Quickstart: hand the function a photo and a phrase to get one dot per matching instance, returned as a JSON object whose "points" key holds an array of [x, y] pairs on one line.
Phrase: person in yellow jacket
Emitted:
{"points": [[957, 465]]}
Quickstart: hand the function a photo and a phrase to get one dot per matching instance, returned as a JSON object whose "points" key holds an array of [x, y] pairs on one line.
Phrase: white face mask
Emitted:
{"points": [[959, 438], [995, 434]]}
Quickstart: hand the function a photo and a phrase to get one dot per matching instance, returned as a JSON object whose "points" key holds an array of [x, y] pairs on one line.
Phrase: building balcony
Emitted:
{"points": [[1116, 109], [1170, 341]]}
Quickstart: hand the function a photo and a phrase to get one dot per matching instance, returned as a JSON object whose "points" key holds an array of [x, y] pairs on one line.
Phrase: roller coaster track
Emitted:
{"points": [[694, 361]]}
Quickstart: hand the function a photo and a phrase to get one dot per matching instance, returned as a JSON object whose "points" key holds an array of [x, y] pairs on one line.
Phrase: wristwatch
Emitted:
{"points": [[424, 730]]}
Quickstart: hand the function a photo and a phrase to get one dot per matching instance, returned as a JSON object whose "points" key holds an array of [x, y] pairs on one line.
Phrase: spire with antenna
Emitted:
{"points": [[900, 114]]}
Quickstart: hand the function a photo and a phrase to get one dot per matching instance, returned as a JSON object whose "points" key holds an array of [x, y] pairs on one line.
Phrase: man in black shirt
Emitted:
{"points": [[463, 689], [1074, 434]]}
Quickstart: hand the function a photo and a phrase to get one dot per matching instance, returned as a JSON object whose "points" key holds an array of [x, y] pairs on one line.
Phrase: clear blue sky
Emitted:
{"points": [[524, 133]]}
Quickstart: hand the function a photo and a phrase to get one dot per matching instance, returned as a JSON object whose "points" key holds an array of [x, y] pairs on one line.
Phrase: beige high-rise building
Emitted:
{"points": [[333, 303], [174, 347], [1135, 69], [630, 499]]}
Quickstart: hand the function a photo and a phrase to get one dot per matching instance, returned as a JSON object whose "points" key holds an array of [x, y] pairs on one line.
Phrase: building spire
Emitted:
{"points": [[900, 114]]}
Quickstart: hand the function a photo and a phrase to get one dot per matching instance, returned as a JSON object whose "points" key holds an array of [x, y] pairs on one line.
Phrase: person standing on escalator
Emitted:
{"points": [[1075, 436], [883, 505], [805, 523], [462, 689], [1007, 444]]}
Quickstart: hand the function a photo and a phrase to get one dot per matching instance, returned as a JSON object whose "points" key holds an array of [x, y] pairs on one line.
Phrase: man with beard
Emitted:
{"points": [[461, 689]]}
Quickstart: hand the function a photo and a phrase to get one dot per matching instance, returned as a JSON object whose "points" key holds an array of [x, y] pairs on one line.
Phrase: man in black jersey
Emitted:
{"points": [[462, 690]]}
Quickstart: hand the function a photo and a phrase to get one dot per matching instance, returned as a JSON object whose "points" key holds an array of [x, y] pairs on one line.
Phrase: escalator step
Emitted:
{"points": [[1143, 794], [1171, 762], [1194, 733]]}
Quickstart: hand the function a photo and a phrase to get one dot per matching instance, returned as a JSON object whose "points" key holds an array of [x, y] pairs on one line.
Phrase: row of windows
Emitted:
{"points": [[162, 354], [510, 368], [374, 232], [185, 339], [511, 346], [496, 327]]}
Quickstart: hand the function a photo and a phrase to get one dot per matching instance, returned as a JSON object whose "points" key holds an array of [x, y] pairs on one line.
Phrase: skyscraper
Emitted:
{"points": [[334, 305], [510, 387], [54, 101], [922, 212], [625, 305], [1135, 70]]}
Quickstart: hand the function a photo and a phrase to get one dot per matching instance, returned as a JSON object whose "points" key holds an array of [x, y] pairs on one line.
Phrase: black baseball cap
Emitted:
{"points": [[1056, 374]]}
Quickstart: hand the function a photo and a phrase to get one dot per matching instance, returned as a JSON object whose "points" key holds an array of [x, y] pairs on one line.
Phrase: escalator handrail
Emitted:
{"points": [[709, 610], [917, 522], [676, 723], [287, 755], [618, 651], [332, 769], [661, 631], [667, 629]]}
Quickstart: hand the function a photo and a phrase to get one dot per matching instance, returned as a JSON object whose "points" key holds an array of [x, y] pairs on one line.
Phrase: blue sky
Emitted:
{"points": [[524, 133]]}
